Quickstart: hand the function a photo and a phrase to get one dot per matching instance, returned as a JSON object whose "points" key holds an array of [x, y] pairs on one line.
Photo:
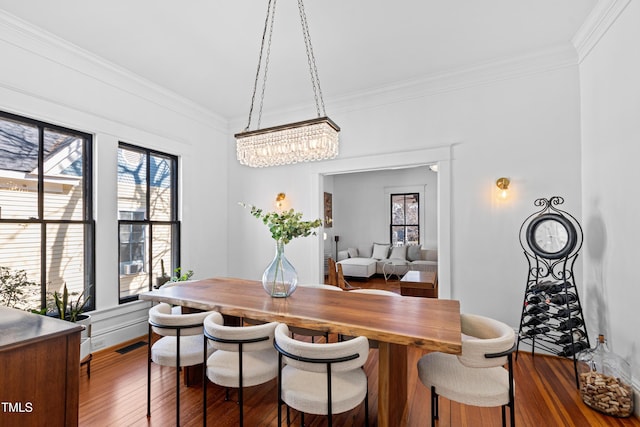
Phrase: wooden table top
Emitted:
{"points": [[432, 324]]}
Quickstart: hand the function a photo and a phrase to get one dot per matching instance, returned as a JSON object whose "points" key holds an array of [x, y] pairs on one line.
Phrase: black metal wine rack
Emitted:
{"points": [[552, 317]]}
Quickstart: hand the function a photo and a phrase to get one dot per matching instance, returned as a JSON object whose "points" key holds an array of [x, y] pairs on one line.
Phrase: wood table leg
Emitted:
{"points": [[392, 385]]}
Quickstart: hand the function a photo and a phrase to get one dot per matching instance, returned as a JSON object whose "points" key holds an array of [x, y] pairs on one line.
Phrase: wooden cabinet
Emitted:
{"points": [[39, 370]]}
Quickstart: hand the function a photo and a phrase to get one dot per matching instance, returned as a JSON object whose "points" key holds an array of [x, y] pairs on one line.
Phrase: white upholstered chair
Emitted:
{"points": [[322, 379], [477, 377], [180, 345], [244, 357]]}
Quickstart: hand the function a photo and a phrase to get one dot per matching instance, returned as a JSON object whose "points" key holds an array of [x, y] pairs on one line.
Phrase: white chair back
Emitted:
{"points": [[319, 286], [358, 345], [162, 314], [482, 335], [214, 325]]}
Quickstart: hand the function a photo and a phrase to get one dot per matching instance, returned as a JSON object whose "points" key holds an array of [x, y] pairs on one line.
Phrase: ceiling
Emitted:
{"points": [[207, 50]]}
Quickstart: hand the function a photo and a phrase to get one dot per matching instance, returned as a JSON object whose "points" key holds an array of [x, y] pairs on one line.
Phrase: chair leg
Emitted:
{"points": [[149, 374], [366, 409], [240, 391], [434, 406], [204, 381], [301, 419], [504, 417], [178, 377]]}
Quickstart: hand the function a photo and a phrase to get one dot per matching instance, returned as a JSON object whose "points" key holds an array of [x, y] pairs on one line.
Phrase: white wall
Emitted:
{"points": [[610, 102], [523, 125], [361, 204], [48, 80]]}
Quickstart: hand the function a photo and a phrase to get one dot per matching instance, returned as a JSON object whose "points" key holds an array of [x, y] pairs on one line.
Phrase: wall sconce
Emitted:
{"points": [[503, 185], [280, 200]]}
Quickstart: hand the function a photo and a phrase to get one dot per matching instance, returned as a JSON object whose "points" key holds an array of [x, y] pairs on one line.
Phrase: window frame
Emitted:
{"points": [[87, 221], [404, 224], [173, 220]]}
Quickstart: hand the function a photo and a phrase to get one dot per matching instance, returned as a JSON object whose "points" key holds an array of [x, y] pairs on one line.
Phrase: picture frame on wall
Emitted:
{"points": [[328, 210]]}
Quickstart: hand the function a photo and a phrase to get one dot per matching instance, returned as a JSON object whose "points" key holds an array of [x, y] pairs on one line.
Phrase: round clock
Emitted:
{"points": [[551, 236]]}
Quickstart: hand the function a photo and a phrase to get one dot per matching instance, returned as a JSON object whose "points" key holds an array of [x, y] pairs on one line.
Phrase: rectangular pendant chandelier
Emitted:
{"points": [[305, 141], [309, 140]]}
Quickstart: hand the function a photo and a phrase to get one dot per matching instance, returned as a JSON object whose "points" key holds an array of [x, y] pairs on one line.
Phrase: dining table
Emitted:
{"points": [[394, 322]]}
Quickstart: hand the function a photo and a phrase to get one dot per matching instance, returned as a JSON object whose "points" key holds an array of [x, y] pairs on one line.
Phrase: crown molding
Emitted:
{"points": [[481, 74], [28, 37], [601, 18]]}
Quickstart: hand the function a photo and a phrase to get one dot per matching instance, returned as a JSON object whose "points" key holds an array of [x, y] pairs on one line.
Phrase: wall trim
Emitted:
{"points": [[440, 155], [601, 18]]}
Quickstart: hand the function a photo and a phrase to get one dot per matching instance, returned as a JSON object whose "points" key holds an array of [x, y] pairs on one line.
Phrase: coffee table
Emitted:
{"points": [[394, 268], [419, 284]]}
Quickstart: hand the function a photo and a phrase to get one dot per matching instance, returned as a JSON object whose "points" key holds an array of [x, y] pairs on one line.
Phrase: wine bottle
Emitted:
{"points": [[562, 298], [535, 320], [572, 323], [540, 286], [557, 287], [536, 308], [566, 338], [537, 330], [571, 349], [534, 299], [565, 312]]}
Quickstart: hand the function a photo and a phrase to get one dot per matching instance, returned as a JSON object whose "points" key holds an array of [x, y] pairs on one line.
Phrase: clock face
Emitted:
{"points": [[551, 236]]}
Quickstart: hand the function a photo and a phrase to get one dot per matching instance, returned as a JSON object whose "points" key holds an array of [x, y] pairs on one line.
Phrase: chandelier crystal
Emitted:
{"points": [[309, 140], [315, 139]]}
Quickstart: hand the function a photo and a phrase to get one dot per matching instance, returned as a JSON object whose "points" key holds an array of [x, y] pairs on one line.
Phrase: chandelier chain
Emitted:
{"points": [[266, 62], [267, 34], [311, 60], [270, 12]]}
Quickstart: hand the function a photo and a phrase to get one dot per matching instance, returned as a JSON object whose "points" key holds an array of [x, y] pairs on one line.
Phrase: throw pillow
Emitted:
{"points": [[413, 252], [365, 251], [399, 252], [380, 251], [353, 252]]}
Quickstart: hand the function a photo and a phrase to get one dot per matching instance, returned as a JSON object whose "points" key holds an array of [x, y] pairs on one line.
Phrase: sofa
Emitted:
{"points": [[366, 260]]}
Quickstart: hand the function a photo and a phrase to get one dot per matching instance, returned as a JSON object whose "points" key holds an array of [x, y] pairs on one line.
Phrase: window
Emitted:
{"points": [[46, 210], [132, 244], [405, 219], [148, 226]]}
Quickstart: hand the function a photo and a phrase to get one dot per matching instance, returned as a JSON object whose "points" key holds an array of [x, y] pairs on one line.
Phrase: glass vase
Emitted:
{"points": [[280, 278]]}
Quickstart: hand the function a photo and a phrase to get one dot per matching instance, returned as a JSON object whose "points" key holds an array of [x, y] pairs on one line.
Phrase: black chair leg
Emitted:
{"points": [[434, 406], [366, 410], [149, 374], [504, 417]]}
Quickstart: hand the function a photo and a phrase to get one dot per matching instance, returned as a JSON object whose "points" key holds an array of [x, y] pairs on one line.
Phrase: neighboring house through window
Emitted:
{"points": [[149, 230], [47, 229], [405, 219]]}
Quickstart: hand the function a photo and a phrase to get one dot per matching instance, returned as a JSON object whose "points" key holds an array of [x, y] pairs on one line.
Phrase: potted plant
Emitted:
{"points": [[180, 276], [164, 278], [73, 311]]}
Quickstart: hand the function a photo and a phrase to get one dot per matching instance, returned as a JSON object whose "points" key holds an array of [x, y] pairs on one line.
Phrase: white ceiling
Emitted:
{"points": [[207, 50]]}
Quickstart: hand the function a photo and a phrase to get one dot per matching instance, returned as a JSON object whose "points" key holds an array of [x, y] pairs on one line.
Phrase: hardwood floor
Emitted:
{"points": [[115, 395]]}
